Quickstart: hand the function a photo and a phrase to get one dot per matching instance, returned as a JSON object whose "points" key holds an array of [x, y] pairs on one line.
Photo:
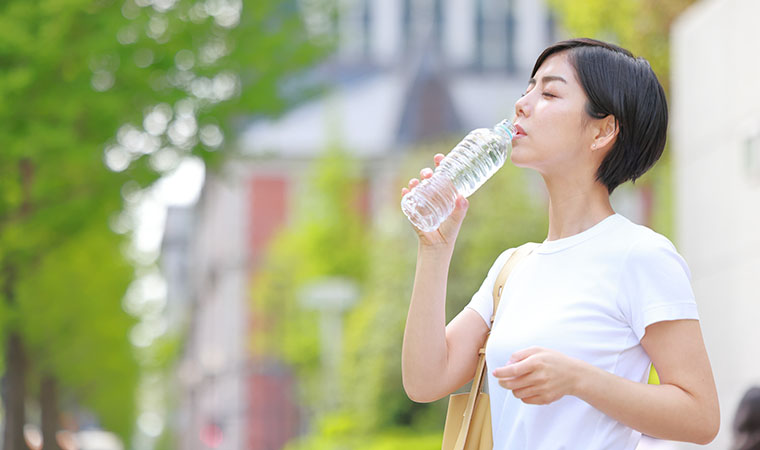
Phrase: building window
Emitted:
{"points": [[495, 26], [422, 23], [438, 22], [366, 27], [355, 19]]}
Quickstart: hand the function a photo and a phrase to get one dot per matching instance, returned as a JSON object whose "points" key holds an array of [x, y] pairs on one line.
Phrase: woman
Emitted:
{"points": [[581, 317]]}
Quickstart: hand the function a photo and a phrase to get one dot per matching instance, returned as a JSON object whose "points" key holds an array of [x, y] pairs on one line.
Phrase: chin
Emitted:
{"points": [[519, 161], [524, 157]]}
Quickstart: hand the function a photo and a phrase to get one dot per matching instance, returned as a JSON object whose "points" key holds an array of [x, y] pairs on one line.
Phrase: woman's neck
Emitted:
{"points": [[575, 207]]}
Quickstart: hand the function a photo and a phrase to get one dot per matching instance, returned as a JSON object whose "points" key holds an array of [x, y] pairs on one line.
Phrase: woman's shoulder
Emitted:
{"points": [[502, 259], [648, 249], [506, 254], [642, 239]]}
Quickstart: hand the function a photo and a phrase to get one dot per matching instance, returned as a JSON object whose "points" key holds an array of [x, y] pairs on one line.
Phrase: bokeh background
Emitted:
{"points": [[200, 240]]}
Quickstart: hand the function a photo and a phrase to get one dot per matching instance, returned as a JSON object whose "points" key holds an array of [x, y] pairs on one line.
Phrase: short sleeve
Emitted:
{"points": [[656, 285], [482, 300]]}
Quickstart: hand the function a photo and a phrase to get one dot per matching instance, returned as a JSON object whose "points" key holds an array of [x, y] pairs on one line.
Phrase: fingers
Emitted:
{"points": [[424, 174], [450, 226], [460, 209], [526, 393], [513, 370], [524, 353], [535, 400], [531, 388], [412, 184], [516, 383]]}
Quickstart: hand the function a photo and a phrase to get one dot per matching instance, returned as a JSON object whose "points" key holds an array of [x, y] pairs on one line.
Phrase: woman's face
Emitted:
{"points": [[553, 136]]}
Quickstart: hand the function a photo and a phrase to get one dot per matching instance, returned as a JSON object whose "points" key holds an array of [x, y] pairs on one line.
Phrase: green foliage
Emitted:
{"points": [[67, 84], [79, 80], [642, 26], [328, 228], [333, 436], [371, 370], [326, 238], [72, 321]]}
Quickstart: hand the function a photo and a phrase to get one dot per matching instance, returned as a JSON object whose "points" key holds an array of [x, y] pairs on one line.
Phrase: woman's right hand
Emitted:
{"points": [[446, 234]]}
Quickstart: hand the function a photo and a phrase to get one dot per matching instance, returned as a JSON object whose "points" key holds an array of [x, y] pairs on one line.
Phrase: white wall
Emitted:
{"points": [[715, 115], [212, 370]]}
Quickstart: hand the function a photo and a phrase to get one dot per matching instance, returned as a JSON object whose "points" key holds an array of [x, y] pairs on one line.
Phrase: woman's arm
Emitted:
{"points": [[437, 359], [684, 407]]}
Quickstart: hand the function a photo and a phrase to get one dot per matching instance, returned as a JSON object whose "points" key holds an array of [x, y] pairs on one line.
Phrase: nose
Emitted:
{"points": [[521, 106]]}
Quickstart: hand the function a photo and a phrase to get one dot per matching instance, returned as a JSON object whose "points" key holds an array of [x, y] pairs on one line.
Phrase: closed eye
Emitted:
{"points": [[547, 94]]}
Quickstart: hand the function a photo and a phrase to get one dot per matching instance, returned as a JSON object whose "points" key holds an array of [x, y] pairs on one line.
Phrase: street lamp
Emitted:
{"points": [[331, 296]]}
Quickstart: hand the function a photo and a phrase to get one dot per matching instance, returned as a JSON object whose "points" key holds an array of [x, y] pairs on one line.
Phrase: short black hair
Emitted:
{"points": [[620, 84]]}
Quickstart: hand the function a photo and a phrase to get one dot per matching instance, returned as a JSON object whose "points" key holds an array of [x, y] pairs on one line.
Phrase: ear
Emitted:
{"points": [[606, 132]]}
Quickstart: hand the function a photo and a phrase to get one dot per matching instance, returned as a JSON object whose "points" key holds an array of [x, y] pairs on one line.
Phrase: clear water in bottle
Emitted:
{"points": [[473, 161]]}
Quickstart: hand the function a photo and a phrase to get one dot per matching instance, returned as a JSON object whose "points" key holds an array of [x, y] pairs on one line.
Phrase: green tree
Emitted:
{"points": [[149, 81], [642, 26], [92, 359]]}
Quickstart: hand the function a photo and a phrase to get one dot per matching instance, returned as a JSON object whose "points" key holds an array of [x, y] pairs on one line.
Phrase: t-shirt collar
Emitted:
{"points": [[561, 244]]}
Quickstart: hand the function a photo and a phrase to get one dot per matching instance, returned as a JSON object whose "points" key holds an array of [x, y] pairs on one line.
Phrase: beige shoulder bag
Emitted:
{"points": [[468, 419]]}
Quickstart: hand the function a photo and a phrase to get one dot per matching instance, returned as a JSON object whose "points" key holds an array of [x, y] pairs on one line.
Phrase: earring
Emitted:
{"points": [[593, 146]]}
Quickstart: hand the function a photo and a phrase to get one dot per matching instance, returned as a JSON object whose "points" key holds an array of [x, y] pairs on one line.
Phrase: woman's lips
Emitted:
{"points": [[520, 131]]}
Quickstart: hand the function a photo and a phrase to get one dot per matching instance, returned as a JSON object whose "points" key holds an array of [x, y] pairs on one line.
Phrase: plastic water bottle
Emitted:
{"points": [[473, 161]]}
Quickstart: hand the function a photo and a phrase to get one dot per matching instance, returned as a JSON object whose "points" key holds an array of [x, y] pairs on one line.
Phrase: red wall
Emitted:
{"points": [[272, 411], [268, 211]]}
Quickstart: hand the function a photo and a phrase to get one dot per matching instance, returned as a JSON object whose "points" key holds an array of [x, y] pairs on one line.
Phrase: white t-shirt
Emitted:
{"points": [[589, 296]]}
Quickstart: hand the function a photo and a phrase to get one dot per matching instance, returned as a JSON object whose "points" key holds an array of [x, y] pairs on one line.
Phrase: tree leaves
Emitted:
{"points": [[72, 322], [78, 79]]}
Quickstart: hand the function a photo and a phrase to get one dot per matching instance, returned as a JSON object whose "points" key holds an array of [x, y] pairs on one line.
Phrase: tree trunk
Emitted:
{"points": [[13, 385], [49, 406], [13, 393]]}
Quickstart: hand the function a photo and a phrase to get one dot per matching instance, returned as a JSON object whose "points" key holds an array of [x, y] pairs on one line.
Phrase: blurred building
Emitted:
{"points": [[405, 71], [716, 141]]}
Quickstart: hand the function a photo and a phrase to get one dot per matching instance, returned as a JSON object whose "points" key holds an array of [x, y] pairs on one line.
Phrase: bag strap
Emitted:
{"points": [[518, 255]]}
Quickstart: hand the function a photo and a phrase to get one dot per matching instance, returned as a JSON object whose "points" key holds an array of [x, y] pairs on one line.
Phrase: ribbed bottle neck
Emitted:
{"points": [[505, 129]]}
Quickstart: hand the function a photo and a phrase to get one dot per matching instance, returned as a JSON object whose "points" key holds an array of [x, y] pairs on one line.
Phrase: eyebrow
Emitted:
{"points": [[547, 79]]}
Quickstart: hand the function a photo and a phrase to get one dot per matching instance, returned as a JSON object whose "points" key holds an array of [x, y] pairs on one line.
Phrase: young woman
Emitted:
{"points": [[583, 316]]}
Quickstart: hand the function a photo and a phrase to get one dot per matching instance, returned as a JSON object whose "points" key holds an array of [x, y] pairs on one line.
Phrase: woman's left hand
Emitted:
{"points": [[539, 376]]}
